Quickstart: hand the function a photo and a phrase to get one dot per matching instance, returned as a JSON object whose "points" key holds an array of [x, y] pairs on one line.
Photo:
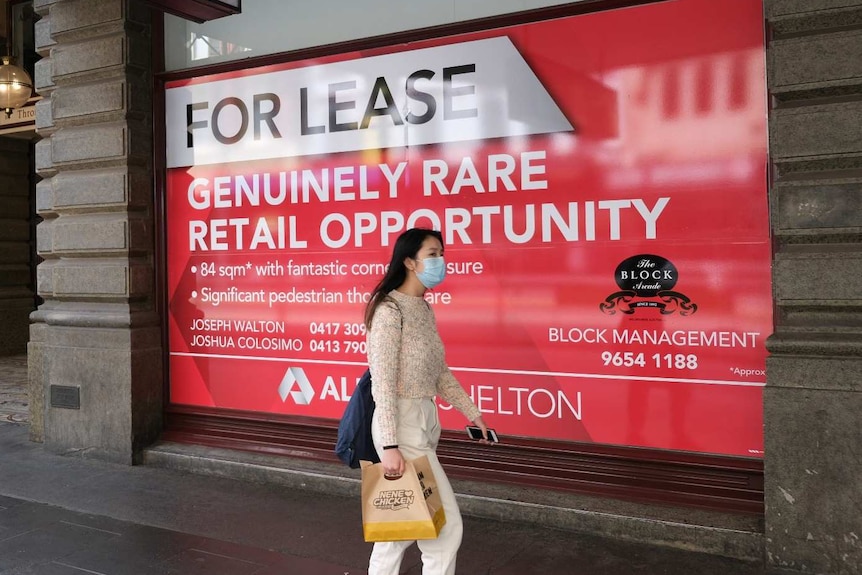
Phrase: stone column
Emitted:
{"points": [[96, 350], [17, 299], [813, 397]]}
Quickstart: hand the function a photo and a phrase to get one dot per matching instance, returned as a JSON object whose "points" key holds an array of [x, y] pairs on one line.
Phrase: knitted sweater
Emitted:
{"points": [[407, 360]]}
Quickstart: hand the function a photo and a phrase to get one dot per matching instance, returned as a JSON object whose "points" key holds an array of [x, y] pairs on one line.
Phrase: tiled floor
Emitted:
{"points": [[13, 389]]}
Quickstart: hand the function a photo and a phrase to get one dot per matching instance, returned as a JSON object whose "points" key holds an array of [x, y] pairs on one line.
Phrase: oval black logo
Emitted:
{"points": [[646, 275]]}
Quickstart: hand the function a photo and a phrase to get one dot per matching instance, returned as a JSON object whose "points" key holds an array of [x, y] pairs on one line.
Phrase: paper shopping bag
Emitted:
{"points": [[402, 509]]}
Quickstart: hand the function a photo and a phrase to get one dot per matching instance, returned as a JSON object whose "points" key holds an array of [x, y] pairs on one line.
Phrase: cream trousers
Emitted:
{"points": [[418, 431]]}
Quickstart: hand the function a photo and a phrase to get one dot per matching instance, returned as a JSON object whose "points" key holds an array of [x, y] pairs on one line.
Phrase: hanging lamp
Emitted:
{"points": [[15, 86]]}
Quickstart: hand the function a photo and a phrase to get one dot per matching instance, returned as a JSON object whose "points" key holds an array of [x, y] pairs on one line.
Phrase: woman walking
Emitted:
{"points": [[408, 369]]}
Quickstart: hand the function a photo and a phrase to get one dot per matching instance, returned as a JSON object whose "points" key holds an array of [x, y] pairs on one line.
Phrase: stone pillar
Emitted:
{"points": [[813, 397], [96, 350], [17, 299]]}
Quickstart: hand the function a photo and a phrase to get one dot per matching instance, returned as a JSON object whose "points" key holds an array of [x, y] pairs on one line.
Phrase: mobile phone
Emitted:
{"points": [[476, 433]]}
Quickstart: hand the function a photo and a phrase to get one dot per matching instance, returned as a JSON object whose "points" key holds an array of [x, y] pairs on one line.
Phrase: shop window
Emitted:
{"points": [[273, 26]]}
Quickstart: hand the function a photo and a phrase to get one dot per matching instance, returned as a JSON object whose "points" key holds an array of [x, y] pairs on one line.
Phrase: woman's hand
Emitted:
{"points": [[480, 423], [393, 463]]}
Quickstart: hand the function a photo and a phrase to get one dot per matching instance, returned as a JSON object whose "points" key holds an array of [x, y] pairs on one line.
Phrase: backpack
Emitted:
{"points": [[354, 442], [354, 430]]}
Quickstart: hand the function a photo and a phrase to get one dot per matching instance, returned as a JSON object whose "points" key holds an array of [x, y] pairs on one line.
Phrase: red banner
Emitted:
{"points": [[600, 182]]}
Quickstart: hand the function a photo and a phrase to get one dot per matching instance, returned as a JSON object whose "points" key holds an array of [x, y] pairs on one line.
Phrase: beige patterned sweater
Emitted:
{"points": [[407, 360]]}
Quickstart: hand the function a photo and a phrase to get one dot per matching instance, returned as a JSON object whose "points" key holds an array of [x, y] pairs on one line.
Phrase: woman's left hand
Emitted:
{"points": [[480, 423]]}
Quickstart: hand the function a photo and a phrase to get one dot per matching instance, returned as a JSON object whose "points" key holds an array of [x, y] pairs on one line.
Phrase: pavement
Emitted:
{"points": [[65, 515]]}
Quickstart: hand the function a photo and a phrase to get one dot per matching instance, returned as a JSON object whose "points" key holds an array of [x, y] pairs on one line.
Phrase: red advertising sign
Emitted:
{"points": [[600, 183]]}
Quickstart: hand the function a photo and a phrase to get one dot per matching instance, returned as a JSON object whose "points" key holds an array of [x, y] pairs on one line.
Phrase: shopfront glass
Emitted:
{"points": [[273, 26], [600, 182]]}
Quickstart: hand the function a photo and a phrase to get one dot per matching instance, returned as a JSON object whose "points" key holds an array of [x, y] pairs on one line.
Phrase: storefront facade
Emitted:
{"points": [[635, 251]]}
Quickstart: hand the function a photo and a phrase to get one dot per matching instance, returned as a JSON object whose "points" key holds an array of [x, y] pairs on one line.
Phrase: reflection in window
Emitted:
{"points": [[738, 82], [670, 93], [203, 47], [704, 87]]}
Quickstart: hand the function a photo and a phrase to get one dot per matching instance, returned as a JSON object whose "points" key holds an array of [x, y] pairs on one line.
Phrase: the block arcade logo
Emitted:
{"points": [[646, 281]]}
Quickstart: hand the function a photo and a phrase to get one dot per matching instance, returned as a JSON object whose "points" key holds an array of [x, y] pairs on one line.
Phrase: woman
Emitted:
{"points": [[408, 368]]}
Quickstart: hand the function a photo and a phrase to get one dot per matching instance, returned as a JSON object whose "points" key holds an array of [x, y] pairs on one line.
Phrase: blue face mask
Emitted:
{"points": [[433, 272]]}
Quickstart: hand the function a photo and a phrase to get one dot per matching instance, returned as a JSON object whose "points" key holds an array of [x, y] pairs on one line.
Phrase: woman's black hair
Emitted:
{"points": [[407, 245]]}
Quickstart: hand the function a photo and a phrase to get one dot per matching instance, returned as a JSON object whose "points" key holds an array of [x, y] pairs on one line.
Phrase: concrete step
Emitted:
{"points": [[737, 536]]}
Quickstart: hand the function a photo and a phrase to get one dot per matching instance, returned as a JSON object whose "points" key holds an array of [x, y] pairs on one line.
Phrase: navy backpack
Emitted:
{"points": [[354, 431]]}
